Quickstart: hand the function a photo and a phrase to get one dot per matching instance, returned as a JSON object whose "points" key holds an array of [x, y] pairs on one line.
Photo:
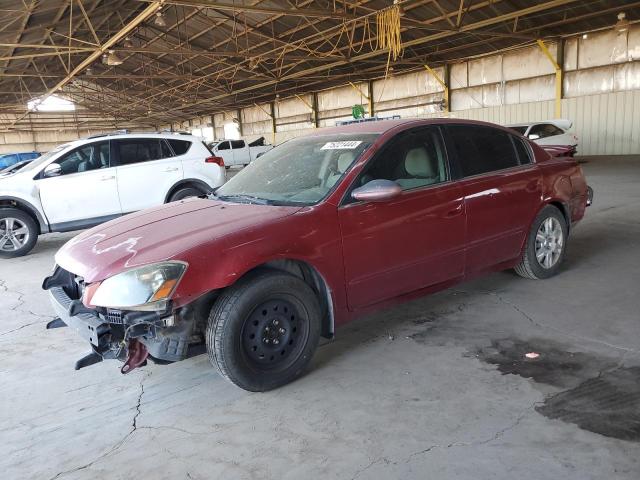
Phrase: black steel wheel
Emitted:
{"points": [[274, 334], [262, 332]]}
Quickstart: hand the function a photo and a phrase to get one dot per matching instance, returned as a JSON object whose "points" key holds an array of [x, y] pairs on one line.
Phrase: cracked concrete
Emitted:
{"points": [[397, 395]]}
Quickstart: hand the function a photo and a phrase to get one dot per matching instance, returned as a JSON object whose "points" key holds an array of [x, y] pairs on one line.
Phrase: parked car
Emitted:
{"points": [[9, 159], [87, 182], [312, 234], [239, 152], [552, 133]]}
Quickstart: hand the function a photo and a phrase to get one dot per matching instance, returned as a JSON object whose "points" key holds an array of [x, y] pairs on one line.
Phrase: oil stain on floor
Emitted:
{"points": [[599, 396]]}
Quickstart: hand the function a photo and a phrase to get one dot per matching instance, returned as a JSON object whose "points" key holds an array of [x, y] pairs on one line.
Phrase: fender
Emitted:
{"points": [[187, 181], [246, 250], [29, 208]]}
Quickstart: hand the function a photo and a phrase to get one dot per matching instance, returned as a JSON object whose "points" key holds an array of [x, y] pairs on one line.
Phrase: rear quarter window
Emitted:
{"points": [[482, 149], [179, 147], [524, 155]]}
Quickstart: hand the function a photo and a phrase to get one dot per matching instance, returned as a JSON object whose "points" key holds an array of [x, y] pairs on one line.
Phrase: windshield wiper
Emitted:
{"points": [[247, 198]]}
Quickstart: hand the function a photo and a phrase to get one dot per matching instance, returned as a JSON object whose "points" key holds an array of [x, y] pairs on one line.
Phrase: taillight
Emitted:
{"points": [[216, 160]]}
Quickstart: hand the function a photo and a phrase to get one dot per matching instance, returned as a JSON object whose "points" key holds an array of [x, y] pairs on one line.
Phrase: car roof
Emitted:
{"points": [[383, 126], [116, 136], [170, 135]]}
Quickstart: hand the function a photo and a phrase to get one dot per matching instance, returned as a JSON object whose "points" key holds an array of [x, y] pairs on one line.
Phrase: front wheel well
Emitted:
{"points": [[12, 203], [314, 279]]}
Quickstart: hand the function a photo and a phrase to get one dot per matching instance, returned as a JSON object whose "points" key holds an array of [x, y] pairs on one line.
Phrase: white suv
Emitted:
{"points": [[90, 181]]}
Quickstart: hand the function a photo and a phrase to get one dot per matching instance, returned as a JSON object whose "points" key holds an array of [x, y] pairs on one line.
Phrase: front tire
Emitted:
{"points": [[18, 233], [546, 245], [263, 331]]}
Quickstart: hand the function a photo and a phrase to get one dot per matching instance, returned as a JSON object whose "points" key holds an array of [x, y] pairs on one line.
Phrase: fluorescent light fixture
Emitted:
{"points": [[51, 104], [622, 25], [159, 20], [113, 59]]}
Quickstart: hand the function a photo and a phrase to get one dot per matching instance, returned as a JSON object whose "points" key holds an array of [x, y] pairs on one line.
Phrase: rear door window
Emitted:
{"points": [[138, 150], [180, 147], [223, 146], [235, 144], [482, 149]]}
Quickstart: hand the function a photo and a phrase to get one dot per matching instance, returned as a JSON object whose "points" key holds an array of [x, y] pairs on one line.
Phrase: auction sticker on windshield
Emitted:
{"points": [[344, 145]]}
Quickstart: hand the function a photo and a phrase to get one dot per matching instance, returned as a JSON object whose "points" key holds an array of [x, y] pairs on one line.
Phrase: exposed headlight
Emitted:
{"points": [[145, 288]]}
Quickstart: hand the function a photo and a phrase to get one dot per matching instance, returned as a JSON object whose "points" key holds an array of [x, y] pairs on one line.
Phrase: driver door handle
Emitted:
{"points": [[454, 212]]}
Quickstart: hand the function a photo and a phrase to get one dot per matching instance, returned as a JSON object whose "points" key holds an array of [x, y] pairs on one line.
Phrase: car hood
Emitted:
{"points": [[161, 233]]}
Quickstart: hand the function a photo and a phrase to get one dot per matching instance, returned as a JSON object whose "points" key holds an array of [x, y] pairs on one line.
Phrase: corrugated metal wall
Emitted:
{"points": [[607, 124]]}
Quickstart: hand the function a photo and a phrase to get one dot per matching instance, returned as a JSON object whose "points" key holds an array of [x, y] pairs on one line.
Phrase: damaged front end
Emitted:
{"points": [[130, 336]]}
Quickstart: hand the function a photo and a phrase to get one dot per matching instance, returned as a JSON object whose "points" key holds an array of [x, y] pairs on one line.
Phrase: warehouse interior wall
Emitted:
{"points": [[600, 94]]}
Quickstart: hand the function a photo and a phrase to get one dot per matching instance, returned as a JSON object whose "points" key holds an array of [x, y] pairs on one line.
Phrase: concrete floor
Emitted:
{"points": [[433, 389]]}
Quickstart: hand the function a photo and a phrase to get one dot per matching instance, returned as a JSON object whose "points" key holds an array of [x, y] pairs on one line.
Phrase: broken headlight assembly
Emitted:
{"points": [[147, 288]]}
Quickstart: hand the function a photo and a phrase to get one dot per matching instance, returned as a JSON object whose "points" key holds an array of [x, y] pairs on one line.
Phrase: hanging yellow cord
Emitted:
{"points": [[389, 34], [389, 37]]}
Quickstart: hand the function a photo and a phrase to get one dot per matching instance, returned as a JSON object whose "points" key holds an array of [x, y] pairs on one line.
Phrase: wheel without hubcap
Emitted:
{"points": [[262, 331], [274, 334]]}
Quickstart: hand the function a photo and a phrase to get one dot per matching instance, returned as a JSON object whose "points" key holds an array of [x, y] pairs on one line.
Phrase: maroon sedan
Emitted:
{"points": [[312, 234]]}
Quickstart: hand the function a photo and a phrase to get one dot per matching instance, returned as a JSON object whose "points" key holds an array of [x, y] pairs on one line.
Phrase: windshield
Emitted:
{"points": [[300, 171], [43, 158], [520, 130]]}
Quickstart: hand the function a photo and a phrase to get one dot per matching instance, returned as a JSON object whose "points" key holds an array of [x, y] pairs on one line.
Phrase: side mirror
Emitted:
{"points": [[534, 136], [52, 170], [377, 191]]}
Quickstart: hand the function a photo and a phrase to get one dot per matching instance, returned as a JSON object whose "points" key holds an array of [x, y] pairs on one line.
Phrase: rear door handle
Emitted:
{"points": [[104, 178], [171, 169]]}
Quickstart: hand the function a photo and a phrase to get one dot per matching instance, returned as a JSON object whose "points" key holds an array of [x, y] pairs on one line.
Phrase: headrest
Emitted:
{"points": [[344, 161], [418, 164]]}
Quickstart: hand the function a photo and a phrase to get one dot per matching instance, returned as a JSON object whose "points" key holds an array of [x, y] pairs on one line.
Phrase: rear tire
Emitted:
{"points": [[263, 331], [186, 192], [546, 245], [18, 233]]}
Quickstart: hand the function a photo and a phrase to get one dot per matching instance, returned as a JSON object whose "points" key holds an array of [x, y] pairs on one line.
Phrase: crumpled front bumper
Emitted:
{"points": [[111, 338], [90, 327]]}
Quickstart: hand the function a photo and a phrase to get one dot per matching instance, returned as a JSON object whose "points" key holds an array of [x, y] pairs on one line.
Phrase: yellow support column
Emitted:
{"points": [[444, 85], [558, 69]]}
